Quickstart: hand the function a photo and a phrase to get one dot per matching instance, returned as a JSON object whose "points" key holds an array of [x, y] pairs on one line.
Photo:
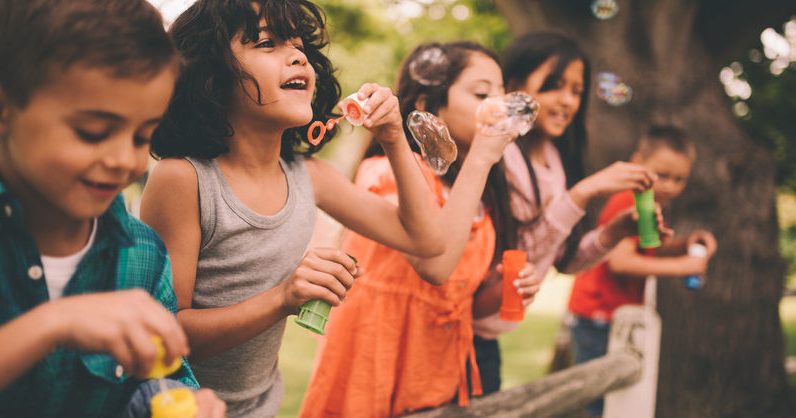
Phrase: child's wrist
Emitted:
{"points": [[580, 194], [392, 141], [52, 324]]}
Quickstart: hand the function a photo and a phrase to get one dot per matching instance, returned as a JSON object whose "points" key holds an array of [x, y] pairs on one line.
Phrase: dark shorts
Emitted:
{"points": [[487, 355], [590, 341]]}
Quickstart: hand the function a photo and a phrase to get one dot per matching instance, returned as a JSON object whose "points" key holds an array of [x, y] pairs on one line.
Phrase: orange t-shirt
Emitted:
{"points": [[597, 292], [398, 344]]}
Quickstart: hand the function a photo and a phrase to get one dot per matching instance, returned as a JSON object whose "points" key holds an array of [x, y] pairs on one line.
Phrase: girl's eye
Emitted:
{"points": [[91, 137], [481, 96], [265, 43]]}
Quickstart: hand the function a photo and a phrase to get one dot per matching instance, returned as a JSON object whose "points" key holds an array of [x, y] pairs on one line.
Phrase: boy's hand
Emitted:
{"points": [[705, 238], [325, 274], [209, 404], [383, 114], [694, 265], [617, 177], [120, 323], [625, 224], [527, 283]]}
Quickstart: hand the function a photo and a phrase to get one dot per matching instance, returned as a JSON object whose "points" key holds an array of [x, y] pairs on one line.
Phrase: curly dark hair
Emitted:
{"points": [[196, 123]]}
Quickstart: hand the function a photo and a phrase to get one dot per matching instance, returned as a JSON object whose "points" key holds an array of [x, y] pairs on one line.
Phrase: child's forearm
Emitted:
{"points": [[641, 266], [213, 331], [26, 340], [457, 220], [488, 298], [418, 210]]}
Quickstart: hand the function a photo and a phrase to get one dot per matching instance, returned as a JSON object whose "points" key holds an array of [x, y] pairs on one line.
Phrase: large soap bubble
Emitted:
{"points": [[512, 114], [430, 67], [434, 140]]}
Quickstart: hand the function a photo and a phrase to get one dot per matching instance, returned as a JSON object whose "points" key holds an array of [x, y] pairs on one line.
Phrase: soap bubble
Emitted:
{"points": [[512, 114], [429, 67], [604, 9], [612, 89], [434, 140]]}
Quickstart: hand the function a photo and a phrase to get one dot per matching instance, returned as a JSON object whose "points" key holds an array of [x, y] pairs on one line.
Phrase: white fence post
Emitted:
{"points": [[637, 328]]}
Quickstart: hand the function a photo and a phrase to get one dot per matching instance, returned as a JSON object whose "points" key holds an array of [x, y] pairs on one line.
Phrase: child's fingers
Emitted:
{"points": [[322, 285], [143, 349], [122, 353], [335, 255], [387, 107], [333, 268], [158, 321], [378, 97], [367, 90], [209, 405]]}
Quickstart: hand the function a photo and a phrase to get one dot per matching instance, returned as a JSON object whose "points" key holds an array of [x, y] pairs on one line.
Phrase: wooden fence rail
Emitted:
{"points": [[556, 394]]}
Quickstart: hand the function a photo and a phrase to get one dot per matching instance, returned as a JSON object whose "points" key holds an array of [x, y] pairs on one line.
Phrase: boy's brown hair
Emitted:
{"points": [[668, 136], [41, 38]]}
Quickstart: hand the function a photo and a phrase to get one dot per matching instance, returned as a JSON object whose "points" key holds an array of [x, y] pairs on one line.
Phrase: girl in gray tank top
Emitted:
{"points": [[234, 196]]}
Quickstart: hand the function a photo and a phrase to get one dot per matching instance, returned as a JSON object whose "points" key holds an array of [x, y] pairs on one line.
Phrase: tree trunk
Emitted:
{"points": [[722, 351]]}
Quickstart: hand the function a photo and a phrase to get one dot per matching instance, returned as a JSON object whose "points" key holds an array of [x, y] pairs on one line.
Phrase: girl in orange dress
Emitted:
{"points": [[402, 339]]}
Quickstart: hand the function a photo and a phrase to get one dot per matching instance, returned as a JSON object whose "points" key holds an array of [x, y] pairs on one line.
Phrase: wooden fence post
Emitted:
{"points": [[635, 328]]}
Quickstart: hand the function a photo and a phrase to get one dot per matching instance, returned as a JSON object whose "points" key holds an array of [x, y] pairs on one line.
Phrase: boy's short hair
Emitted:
{"points": [[40, 38], [668, 136]]}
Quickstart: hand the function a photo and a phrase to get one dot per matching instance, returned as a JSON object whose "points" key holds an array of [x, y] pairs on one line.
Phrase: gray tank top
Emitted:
{"points": [[242, 254]]}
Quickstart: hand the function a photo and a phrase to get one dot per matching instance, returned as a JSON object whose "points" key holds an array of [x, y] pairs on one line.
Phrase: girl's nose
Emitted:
{"points": [[297, 57]]}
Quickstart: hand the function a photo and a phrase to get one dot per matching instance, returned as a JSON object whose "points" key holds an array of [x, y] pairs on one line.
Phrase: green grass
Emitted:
{"points": [[787, 311]]}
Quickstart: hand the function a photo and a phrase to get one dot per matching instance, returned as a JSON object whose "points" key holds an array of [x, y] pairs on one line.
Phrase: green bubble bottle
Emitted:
{"points": [[647, 224], [314, 314]]}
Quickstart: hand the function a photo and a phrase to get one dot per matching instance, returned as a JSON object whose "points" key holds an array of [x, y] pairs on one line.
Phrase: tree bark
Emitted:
{"points": [[722, 351]]}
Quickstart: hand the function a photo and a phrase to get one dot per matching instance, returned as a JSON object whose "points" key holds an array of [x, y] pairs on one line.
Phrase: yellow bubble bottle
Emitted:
{"points": [[175, 403], [170, 403], [160, 369]]}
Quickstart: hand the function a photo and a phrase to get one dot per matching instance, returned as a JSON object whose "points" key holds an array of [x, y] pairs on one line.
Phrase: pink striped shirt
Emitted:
{"points": [[543, 238]]}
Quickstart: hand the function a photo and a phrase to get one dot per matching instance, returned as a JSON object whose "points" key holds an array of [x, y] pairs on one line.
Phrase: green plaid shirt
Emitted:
{"points": [[67, 383]]}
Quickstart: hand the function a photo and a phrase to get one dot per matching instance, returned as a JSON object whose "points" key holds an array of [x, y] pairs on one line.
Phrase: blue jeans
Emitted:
{"points": [[140, 402], [590, 341]]}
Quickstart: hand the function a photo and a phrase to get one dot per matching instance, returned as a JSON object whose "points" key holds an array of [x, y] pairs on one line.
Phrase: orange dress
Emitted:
{"points": [[398, 344]]}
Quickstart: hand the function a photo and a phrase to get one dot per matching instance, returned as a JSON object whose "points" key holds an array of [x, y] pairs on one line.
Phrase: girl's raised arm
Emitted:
{"points": [[413, 226]]}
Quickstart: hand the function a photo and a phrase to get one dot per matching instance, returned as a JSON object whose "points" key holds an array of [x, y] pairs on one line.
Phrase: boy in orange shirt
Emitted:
{"points": [[620, 279]]}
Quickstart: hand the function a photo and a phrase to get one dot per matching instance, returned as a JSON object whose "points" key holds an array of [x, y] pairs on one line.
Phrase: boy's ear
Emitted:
{"points": [[420, 103]]}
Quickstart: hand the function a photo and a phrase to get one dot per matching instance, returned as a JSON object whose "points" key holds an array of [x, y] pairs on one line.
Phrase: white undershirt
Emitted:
{"points": [[58, 270]]}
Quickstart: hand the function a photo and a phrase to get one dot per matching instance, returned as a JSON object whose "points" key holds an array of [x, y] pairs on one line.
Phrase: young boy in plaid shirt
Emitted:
{"points": [[83, 285]]}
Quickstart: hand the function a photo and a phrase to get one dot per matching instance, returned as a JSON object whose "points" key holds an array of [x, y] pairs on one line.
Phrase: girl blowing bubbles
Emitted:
{"points": [[403, 340], [234, 196]]}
